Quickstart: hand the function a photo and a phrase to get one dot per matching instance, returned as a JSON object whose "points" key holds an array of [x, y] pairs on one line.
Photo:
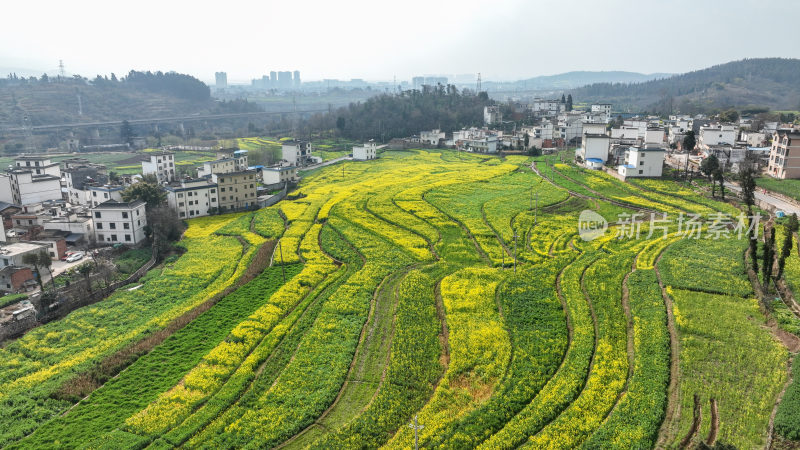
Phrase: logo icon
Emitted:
{"points": [[591, 225]]}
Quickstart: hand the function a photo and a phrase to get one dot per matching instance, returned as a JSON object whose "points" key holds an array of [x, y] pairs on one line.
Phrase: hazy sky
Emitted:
{"points": [[376, 40]]}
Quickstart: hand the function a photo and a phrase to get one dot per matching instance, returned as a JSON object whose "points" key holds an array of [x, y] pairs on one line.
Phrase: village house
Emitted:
{"points": [[33, 179], [642, 162], [298, 153], [593, 151], [236, 161], [717, 134], [120, 222], [277, 175], [784, 157], [431, 137], [193, 197], [103, 193], [367, 151], [492, 115], [160, 164], [237, 190]]}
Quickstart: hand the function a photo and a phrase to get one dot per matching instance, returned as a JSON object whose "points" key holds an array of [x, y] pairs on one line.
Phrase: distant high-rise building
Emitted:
{"points": [[284, 80], [273, 79], [417, 82], [296, 78], [222, 79]]}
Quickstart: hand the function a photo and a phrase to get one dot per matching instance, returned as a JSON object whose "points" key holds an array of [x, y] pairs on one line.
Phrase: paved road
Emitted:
{"points": [[778, 203], [327, 163]]}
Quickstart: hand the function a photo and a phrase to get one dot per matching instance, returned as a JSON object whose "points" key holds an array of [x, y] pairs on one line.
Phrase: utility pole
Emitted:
{"points": [[283, 268], [416, 428]]}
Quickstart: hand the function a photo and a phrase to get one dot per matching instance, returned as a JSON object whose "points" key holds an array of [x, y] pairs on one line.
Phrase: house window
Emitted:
{"points": [[138, 222], [641, 172], [180, 195], [127, 238], [112, 225], [641, 163], [222, 189], [183, 214], [213, 199], [180, 204], [99, 225], [113, 237], [126, 226], [105, 194], [97, 214], [124, 214]]}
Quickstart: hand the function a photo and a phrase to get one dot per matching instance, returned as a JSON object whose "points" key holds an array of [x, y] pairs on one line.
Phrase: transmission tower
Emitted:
{"points": [[478, 84], [61, 70]]}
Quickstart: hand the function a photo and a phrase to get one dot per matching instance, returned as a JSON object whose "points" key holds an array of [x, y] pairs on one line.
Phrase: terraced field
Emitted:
{"points": [[454, 288]]}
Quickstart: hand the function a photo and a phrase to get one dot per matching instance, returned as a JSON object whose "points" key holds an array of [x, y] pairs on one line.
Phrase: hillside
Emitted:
{"points": [[572, 80], [423, 285], [750, 83], [137, 96]]}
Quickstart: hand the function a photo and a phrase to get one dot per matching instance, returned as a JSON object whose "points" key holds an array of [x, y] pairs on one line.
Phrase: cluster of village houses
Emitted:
{"points": [[46, 205], [49, 206], [637, 147]]}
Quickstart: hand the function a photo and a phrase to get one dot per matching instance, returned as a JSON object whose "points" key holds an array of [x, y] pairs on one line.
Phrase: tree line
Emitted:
{"points": [[170, 83], [386, 116]]}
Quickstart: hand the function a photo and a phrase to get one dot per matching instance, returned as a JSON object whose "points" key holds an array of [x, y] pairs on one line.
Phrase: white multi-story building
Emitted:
{"points": [[38, 165], [485, 144], [24, 187], [640, 124], [120, 222], [547, 107], [492, 115], [101, 194], [235, 162], [594, 147], [275, 175], [654, 136], [368, 151], [717, 134], [431, 137], [602, 108], [784, 157], [642, 162], [162, 165], [298, 153], [193, 198]]}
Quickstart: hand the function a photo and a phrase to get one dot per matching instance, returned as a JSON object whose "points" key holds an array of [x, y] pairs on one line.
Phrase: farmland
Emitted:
{"points": [[450, 287]]}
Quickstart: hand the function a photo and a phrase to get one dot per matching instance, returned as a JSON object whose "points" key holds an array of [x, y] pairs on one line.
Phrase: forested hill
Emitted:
{"points": [[139, 95], [392, 116], [750, 83]]}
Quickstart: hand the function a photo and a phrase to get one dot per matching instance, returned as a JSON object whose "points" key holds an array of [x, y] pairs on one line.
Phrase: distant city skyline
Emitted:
{"points": [[504, 40]]}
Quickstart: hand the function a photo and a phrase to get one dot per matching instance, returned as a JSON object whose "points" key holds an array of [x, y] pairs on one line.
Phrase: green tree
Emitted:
{"points": [[150, 193], [747, 181], [40, 260], [126, 132], [689, 141], [786, 250], [730, 116], [709, 166], [718, 178], [569, 102], [769, 258], [340, 123], [86, 271]]}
